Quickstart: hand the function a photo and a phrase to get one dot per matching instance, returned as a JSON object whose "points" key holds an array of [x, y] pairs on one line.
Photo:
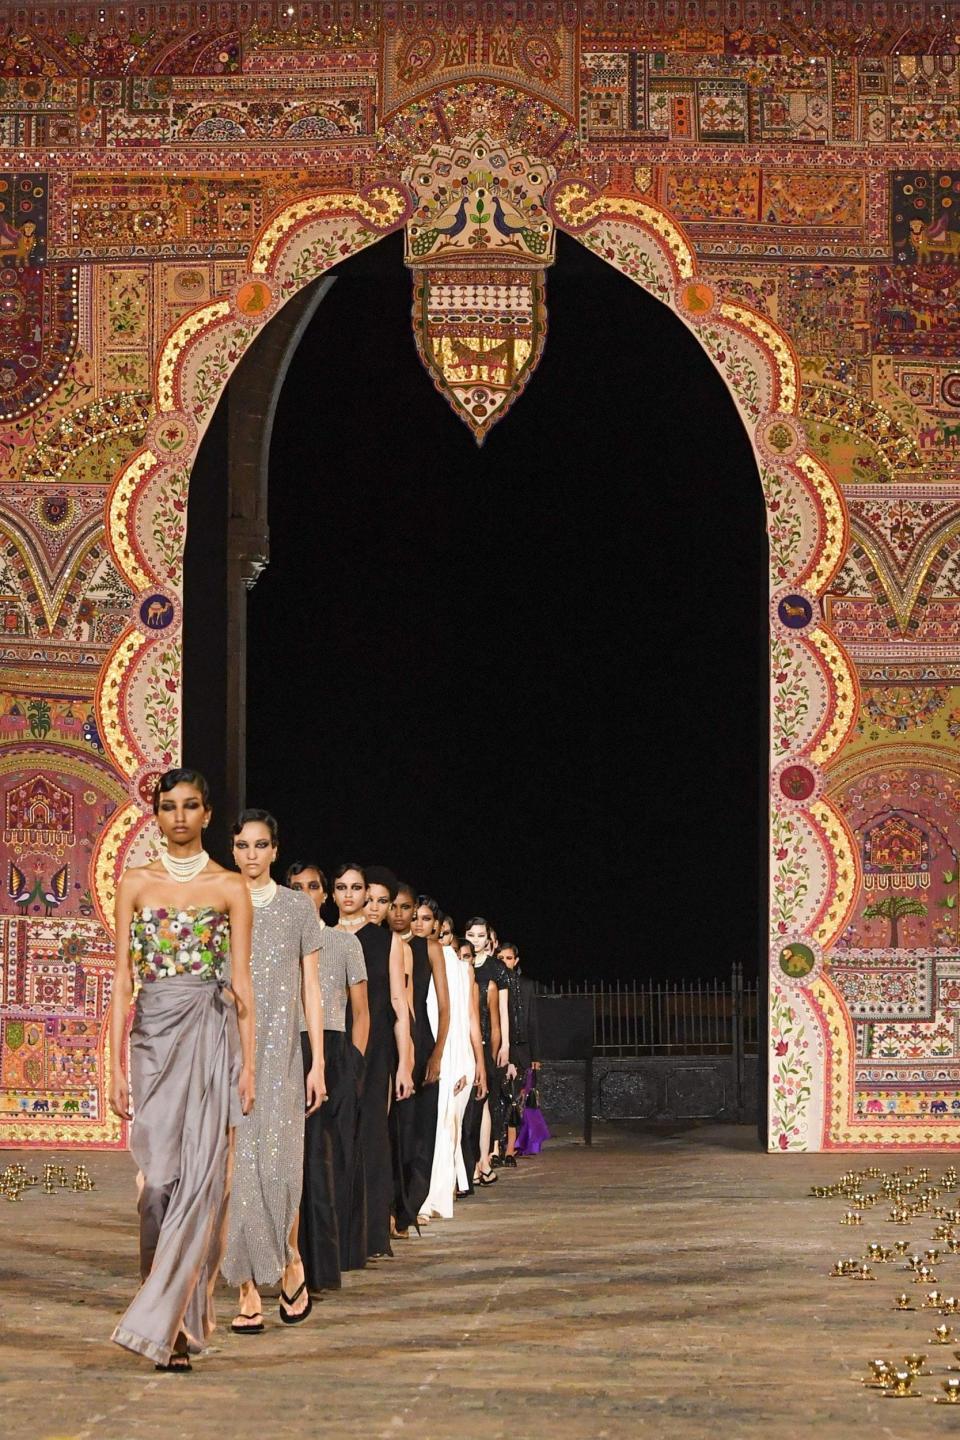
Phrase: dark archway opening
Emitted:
{"points": [[532, 677]]}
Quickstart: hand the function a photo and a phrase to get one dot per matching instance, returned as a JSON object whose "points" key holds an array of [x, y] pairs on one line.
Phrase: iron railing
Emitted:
{"points": [[685, 1017]]}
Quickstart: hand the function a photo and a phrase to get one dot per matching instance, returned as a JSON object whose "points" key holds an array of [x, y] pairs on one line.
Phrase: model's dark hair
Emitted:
{"points": [[341, 870], [380, 875], [181, 776], [258, 817], [468, 944], [404, 889], [477, 920], [509, 945], [299, 866], [427, 902], [444, 918]]}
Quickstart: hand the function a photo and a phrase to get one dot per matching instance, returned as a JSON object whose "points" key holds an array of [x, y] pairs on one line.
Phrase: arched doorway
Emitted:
{"points": [[813, 686], [520, 674]]}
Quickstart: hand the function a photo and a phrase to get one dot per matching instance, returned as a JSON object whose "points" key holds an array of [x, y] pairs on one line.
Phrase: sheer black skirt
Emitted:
{"points": [[332, 1207]]}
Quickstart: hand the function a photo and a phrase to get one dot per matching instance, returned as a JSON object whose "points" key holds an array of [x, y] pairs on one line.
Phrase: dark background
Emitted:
{"points": [[529, 677]]}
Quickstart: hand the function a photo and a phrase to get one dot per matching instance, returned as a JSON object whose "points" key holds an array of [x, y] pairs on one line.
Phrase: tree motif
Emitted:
{"points": [[894, 908]]}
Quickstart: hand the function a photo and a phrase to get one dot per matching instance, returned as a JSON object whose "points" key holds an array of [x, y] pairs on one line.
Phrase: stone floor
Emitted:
{"points": [[659, 1285]]}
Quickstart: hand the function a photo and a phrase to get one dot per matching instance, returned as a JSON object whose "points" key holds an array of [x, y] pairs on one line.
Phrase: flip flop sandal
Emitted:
{"points": [[491, 1178], [248, 1329], [176, 1365], [289, 1300]]}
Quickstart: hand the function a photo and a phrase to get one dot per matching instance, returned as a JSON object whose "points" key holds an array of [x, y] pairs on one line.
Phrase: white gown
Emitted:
{"points": [[458, 1061]]}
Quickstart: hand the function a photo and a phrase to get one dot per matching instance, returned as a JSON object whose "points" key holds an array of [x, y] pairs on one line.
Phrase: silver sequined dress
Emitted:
{"points": [[268, 1168]]}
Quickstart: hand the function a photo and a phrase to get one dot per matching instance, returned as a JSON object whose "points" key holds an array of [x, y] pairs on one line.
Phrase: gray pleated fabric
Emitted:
{"points": [[184, 1064]]}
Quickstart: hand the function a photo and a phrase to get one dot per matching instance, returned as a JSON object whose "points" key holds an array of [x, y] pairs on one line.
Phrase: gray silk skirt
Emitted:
{"points": [[184, 1065]]}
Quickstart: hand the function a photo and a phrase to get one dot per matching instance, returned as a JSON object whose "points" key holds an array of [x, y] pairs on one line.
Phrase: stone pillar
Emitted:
{"points": [[252, 396]]}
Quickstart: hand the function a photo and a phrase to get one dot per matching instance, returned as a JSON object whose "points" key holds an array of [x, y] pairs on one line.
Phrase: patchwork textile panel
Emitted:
{"points": [[55, 988], [784, 178]]}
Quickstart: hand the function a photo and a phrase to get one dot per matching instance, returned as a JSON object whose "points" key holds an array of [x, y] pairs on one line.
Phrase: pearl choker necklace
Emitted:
{"points": [[351, 929], [262, 896], [184, 870]]}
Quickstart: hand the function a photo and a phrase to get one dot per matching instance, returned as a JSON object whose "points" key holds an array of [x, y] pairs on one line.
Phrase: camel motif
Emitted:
{"points": [[17, 245], [933, 241], [157, 612]]}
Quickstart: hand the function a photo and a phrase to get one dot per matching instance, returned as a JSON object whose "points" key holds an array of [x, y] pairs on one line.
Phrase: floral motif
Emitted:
{"points": [[218, 365], [791, 1073], [335, 243], [784, 523], [632, 257], [742, 375], [790, 874], [169, 521], [790, 696], [193, 941], [161, 705]]}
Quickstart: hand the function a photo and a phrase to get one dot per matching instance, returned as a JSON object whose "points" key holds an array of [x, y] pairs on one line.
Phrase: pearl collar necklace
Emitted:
{"points": [[264, 894], [186, 870]]}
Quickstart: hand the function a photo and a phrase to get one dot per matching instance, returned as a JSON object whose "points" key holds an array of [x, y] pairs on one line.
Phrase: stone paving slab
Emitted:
{"points": [[657, 1286]]}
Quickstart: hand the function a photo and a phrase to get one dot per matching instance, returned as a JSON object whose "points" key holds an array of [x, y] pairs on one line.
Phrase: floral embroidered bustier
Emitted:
{"points": [[192, 941]]}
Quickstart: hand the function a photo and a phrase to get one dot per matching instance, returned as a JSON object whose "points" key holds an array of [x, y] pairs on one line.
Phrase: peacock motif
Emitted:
{"points": [[479, 240], [23, 894]]}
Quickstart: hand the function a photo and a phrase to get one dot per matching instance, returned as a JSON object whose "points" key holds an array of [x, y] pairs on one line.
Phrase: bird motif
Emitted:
{"points": [[533, 239], [58, 889], [17, 888], [425, 240]]}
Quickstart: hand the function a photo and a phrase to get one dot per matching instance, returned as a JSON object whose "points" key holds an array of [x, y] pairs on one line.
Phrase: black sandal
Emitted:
{"points": [[289, 1300], [178, 1364], [490, 1178], [248, 1329]]}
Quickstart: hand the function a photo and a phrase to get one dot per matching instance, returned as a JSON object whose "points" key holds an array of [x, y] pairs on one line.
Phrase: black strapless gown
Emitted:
{"points": [[381, 1066], [418, 1115]]}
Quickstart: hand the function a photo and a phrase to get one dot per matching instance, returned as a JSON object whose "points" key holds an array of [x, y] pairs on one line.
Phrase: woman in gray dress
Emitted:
{"points": [[268, 1167], [176, 919]]}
